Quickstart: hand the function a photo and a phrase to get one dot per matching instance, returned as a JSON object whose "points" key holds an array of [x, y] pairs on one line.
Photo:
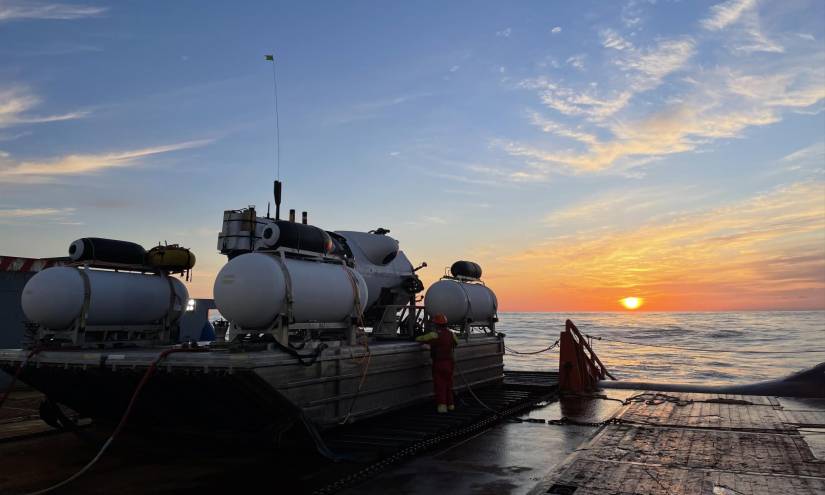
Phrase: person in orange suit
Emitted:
{"points": [[442, 342]]}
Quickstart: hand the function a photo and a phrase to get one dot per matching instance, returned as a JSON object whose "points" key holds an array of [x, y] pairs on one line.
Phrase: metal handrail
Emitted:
{"points": [[571, 327]]}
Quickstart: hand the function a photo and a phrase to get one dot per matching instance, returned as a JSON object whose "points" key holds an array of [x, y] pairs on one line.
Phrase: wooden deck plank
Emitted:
{"points": [[705, 415], [689, 443], [592, 477], [814, 419]]}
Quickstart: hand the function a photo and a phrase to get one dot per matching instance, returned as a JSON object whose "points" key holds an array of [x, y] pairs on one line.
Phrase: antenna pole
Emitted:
{"points": [[271, 58], [277, 193]]}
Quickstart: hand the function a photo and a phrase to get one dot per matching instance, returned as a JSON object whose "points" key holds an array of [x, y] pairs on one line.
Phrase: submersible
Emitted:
{"points": [[321, 329]]}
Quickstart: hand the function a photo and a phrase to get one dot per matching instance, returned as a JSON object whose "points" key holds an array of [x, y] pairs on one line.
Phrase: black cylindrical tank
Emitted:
{"points": [[303, 237], [466, 269], [107, 250]]}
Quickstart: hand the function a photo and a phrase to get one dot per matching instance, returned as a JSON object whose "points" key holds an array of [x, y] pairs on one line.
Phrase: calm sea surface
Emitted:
{"points": [[788, 332]]}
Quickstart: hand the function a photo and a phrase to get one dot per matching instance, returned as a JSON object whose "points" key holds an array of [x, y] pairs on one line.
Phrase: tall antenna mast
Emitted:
{"points": [[277, 184], [271, 58]]}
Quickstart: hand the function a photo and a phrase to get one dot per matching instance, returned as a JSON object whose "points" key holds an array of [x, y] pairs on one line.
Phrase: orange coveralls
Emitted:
{"points": [[442, 344]]}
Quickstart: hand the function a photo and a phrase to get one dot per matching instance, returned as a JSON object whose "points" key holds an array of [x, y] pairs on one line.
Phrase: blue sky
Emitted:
{"points": [[553, 142]]}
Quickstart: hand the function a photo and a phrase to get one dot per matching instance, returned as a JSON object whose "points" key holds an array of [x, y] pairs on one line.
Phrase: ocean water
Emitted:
{"points": [[798, 335]]}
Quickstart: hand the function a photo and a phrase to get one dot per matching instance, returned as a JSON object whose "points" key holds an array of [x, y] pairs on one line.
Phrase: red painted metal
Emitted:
{"points": [[580, 369], [17, 264], [5, 262]]}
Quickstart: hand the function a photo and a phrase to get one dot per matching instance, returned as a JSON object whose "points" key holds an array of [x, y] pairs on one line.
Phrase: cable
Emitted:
{"points": [[17, 372], [552, 346], [697, 349], [148, 374], [470, 389]]}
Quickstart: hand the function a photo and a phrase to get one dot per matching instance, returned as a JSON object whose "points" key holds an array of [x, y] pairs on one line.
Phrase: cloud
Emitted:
{"points": [[556, 30], [434, 220], [34, 212], [650, 66], [508, 175], [675, 129], [561, 130], [16, 102], [810, 157], [612, 39], [504, 33], [371, 109], [72, 165], [744, 16], [11, 11], [623, 123], [765, 250], [645, 69], [577, 61], [61, 48], [726, 13], [455, 68]]}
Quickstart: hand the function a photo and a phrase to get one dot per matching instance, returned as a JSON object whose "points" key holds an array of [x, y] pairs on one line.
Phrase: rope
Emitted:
{"points": [[703, 349], [149, 372], [528, 353], [364, 361]]}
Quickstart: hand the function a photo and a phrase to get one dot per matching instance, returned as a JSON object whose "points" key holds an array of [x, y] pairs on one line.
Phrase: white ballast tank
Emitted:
{"points": [[54, 298], [251, 290], [460, 301]]}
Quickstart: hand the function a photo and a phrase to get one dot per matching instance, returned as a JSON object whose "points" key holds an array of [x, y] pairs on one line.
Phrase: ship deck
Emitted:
{"points": [[619, 442], [694, 443]]}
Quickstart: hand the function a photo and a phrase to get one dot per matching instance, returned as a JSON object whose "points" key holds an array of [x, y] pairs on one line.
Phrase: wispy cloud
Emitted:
{"points": [[556, 30], [808, 158], [33, 212], [62, 48], [742, 15], [612, 39], [72, 165], [645, 69], [726, 13], [16, 103], [372, 109], [23, 216], [624, 124], [504, 33], [765, 250], [12, 10], [577, 61]]}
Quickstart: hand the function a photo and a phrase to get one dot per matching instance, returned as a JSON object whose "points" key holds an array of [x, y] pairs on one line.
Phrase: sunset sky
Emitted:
{"points": [[580, 152]]}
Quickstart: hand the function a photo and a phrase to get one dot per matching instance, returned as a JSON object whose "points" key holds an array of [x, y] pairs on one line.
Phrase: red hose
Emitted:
{"points": [[148, 374]]}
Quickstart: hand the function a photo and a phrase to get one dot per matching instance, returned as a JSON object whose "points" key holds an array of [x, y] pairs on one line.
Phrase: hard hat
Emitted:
{"points": [[440, 319]]}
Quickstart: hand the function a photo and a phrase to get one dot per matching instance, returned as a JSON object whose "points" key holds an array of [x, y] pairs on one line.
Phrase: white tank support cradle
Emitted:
{"points": [[55, 298], [252, 290], [461, 302]]}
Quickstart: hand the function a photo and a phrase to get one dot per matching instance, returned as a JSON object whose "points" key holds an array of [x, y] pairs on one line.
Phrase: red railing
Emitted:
{"points": [[580, 369]]}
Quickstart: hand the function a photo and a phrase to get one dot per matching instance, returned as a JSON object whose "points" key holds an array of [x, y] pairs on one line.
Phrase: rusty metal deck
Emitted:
{"points": [[690, 443]]}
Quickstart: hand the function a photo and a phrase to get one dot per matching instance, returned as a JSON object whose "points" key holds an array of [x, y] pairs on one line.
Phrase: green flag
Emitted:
{"points": [[270, 57]]}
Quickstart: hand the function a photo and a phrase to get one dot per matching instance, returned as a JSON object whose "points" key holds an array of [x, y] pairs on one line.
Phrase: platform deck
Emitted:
{"points": [[688, 443], [36, 456]]}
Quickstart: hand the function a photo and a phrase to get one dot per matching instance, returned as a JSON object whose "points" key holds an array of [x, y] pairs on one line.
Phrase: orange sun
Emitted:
{"points": [[632, 302]]}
